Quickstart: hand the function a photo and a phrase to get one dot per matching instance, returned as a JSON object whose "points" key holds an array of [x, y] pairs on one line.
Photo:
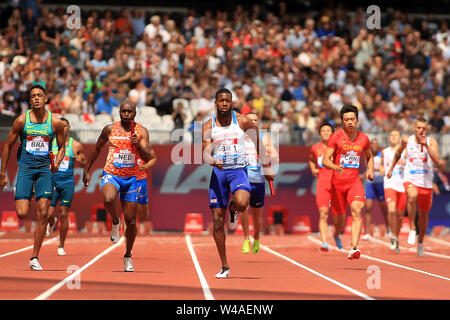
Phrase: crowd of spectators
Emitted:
{"points": [[296, 71]]}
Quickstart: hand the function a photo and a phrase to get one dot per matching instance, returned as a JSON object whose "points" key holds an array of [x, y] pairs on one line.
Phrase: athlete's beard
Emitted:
{"points": [[225, 114]]}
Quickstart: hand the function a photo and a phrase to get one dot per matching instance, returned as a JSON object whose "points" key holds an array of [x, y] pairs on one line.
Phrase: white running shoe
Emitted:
{"points": [[50, 228], [34, 265], [115, 232], [420, 249], [412, 237], [61, 251], [223, 273], [128, 264], [234, 217], [354, 254], [366, 237]]}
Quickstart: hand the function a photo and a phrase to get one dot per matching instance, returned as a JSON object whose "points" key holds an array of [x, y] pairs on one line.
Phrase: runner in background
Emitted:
{"points": [[343, 154], [36, 128], [375, 191], [421, 153], [323, 186], [394, 190], [120, 171], [257, 180], [64, 185]]}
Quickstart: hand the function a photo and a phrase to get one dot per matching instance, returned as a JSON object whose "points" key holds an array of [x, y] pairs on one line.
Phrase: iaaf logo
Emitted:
{"points": [[288, 174]]}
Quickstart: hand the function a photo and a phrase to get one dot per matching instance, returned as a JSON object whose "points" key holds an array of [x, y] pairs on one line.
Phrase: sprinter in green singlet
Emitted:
{"points": [[64, 185], [36, 129]]}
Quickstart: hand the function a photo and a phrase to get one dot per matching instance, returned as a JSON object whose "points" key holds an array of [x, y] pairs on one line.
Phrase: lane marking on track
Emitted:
{"points": [[383, 261], [29, 247], [355, 292], [437, 240], [205, 287], [70, 278], [429, 253]]}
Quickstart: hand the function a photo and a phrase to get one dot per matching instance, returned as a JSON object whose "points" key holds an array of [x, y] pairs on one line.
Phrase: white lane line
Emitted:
{"points": [[356, 292], [429, 253], [383, 261], [437, 240], [70, 278], [28, 248], [205, 287]]}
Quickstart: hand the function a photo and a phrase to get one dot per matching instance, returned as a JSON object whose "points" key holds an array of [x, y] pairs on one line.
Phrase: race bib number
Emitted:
{"points": [[64, 165], [350, 160], [228, 152], [419, 166], [38, 145], [124, 159]]}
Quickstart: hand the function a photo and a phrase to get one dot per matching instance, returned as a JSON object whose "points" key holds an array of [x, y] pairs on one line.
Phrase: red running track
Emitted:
{"points": [[288, 267]]}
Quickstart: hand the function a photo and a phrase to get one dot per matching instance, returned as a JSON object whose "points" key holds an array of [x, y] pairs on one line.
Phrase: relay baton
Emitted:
{"points": [[272, 190]]}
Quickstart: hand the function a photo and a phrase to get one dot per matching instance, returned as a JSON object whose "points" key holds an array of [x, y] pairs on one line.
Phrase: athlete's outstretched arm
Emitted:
{"points": [[369, 158], [12, 138], [272, 152], [207, 146], [432, 149], [143, 144], [328, 162], [153, 159], [312, 164], [397, 155], [381, 168], [60, 141], [101, 141], [79, 153]]}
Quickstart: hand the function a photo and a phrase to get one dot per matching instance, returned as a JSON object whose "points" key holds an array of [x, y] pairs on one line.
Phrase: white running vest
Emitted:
{"points": [[229, 143], [396, 181], [377, 178], [419, 166], [254, 169]]}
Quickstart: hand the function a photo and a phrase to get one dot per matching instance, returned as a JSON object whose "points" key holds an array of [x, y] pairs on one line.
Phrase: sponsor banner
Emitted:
{"points": [[178, 186]]}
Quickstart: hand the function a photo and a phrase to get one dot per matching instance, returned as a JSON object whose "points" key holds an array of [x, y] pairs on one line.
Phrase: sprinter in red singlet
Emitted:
{"points": [[343, 155]]}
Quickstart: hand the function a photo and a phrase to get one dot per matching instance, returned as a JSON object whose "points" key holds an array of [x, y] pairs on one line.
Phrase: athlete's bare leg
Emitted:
{"points": [[129, 211], [245, 222], [400, 215], [339, 222], [219, 234], [323, 224], [411, 206], [423, 224], [257, 221], [241, 200], [393, 219], [22, 208], [41, 224], [110, 194], [51, 215], [356, 208], [384, 211], [368, 215], [63, 225]]}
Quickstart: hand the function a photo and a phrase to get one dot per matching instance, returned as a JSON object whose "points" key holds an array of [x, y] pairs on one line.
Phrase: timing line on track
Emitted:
{"points": [[70, 278], [383, 261], [345, 287], [28, 248]]}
